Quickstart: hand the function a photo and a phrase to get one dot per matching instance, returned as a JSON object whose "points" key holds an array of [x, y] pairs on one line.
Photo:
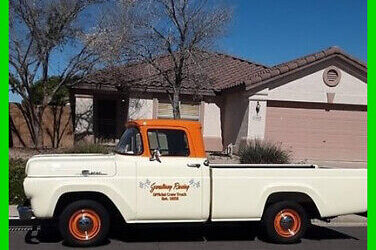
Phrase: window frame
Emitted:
{"points": [[142, 143], [171, 129]]}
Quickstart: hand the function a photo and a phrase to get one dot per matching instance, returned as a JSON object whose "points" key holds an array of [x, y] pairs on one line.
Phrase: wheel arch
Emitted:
{"points": [[301, 198], [69, 197]]}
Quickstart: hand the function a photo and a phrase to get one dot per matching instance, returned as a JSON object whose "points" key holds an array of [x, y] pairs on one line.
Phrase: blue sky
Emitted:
{"points": [[274, 31]]}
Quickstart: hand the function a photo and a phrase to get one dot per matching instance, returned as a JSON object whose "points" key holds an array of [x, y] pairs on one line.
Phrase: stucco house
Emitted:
{"points": [[315, 105]]}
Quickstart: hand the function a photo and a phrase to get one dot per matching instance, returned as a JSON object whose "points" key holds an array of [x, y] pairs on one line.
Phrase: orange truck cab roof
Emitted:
{"points": [[191, 128]]}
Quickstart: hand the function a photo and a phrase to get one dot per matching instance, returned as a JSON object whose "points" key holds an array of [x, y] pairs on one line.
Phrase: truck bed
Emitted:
{"points": [[241, 190]]}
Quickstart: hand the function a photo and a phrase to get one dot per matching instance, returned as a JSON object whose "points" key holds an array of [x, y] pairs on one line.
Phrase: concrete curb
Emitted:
{"points": [[351, 220]]}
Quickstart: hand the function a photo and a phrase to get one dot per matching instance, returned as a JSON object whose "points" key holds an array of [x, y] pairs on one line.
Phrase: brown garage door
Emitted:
{"points": [[319, 131]]}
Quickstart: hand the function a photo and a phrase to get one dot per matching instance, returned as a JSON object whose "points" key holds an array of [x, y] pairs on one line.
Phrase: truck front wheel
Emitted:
{"points": [[285, 222], [84, 223]]}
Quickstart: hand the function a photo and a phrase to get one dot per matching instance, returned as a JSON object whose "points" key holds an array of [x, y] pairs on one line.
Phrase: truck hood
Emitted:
{"points": [[71, 165]]}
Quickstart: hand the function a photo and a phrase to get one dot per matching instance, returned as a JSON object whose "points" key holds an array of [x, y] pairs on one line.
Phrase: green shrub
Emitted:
{"points": [[263, 152], [16, 177], [88, 148]]}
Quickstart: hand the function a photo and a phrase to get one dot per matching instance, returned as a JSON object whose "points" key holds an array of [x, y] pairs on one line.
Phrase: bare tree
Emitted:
{"points": [[173, 29], [38, 30], [59, 128]]}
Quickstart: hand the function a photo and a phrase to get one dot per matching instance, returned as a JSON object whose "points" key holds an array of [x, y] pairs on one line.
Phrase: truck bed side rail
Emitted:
{"points": [[305, 166]]}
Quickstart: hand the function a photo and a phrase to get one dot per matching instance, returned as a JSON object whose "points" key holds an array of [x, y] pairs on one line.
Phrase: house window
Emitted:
{"points": [[188, 111]]}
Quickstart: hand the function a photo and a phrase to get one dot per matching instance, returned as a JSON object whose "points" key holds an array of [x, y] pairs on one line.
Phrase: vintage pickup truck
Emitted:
{"points": [[159, 174]]}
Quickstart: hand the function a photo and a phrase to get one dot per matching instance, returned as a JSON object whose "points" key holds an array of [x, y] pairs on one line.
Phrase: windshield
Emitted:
{"points": [[130, 142]]}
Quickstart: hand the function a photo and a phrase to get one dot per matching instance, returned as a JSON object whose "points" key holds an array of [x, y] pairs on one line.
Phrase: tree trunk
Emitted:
{"points": [[37, 134], [38, 128], [175, 105]]}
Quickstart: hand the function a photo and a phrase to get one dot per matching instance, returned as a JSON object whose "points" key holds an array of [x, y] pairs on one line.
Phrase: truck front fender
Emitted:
{"points": [[118, 201], [44, 193]]}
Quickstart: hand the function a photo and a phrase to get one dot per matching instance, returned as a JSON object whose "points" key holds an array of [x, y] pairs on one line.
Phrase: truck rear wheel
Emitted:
{"points": [[84, 223], [285, 222]]}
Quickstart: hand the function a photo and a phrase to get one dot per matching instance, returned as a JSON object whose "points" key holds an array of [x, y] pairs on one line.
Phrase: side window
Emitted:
{"points": [[169, 142], [130, 142]]}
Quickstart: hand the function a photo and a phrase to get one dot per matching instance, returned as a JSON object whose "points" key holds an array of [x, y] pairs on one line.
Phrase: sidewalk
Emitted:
{"points": [[351, 220], [341, 221]]}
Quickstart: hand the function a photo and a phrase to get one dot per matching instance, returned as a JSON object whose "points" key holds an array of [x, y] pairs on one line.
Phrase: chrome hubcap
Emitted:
{"points": [[286, 222], [85, 224]]}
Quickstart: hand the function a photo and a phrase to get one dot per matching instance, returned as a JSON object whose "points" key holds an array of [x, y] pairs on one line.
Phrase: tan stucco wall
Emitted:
{"points": [[257, 115], [311, 88], [212, 127], [84, 118], [235, 118], [140, 108]]}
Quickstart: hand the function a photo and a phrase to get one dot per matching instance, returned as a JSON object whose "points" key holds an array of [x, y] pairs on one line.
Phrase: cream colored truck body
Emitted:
{"points": [[185, 189]]}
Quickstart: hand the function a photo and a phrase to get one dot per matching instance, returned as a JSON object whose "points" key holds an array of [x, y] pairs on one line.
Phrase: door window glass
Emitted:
{"points": [[130, 142], [169, 142]]}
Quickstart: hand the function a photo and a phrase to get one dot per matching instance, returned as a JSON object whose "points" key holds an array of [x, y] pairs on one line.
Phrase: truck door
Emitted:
{"points": [[169, 189]]}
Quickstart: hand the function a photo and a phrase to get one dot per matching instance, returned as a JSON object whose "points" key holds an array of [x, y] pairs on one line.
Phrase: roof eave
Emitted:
{"points": [[249, 84]]}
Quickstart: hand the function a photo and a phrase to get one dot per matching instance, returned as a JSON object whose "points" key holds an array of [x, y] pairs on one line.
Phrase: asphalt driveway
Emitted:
{"points": [[218, 236]]}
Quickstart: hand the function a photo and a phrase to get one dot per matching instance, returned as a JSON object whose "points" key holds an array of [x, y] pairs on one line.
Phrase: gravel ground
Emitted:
{"points": [[218, 158], [26, 153]]}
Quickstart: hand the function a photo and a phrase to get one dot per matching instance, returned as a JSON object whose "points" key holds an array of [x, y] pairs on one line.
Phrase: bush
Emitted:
{"points": [[262, 152], [16, 177], [86, 148]]}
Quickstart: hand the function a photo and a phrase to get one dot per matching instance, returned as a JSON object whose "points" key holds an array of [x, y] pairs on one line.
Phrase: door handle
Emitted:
{"points": [[194, 165]]}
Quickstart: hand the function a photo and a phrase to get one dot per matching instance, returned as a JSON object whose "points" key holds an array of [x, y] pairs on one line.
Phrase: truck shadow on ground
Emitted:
{"points": [[185, 233], [212, 232]]}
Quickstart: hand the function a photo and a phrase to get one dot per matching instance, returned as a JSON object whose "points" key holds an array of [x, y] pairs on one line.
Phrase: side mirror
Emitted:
{"points": [[155, 156]]}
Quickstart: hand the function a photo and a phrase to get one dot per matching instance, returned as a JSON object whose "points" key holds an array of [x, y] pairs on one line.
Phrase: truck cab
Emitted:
{"points": [[170, 156]]}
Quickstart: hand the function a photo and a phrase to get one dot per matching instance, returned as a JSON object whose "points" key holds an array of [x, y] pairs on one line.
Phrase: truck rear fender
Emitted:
{"points": [[305, 196]]}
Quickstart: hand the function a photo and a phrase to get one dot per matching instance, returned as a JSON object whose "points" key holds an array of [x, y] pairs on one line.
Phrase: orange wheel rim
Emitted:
{"points": [[84, 224], [287, 223]]}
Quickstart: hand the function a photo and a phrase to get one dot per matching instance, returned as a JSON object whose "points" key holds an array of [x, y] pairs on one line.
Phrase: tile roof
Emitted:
{"points": [[220, 71], [287, 67]]}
